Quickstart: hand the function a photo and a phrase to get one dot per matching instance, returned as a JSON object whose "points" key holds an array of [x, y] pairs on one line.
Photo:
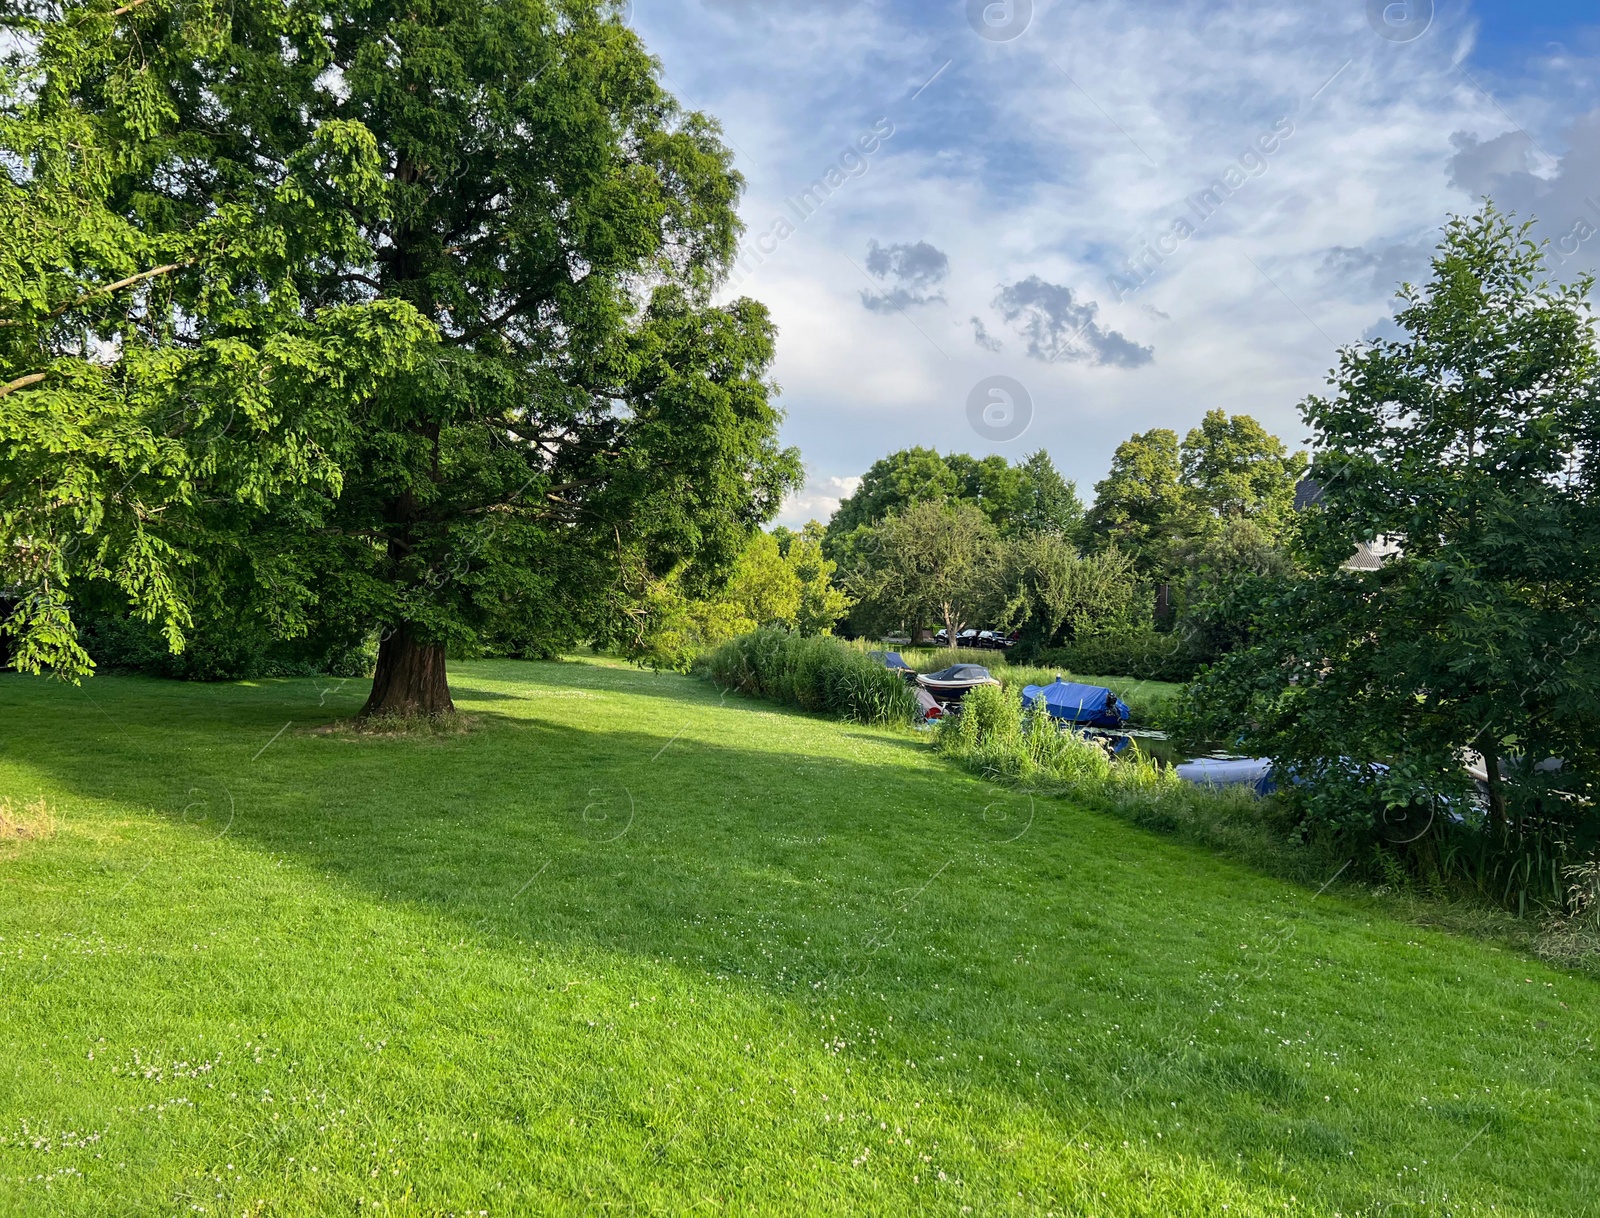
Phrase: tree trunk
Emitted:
{"points": [[1497, 789], [410, 679]]}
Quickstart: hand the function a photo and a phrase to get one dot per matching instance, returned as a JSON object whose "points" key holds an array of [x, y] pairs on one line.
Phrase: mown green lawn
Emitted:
{"points": [[632, 946]]}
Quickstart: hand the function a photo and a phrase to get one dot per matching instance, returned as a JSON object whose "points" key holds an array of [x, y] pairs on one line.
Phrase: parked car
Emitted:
{"points": [[981, 641]]}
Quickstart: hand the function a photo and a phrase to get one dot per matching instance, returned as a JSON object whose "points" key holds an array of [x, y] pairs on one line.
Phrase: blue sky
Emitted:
{"points": [[1094, 218]]}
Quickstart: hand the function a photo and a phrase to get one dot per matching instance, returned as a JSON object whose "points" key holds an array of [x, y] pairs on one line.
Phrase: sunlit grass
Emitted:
{"points": [[631, 944]]}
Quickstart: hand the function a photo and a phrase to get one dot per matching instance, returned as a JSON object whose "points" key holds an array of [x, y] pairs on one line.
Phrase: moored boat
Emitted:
{"points": [[952, 684], [1084, 705], [894, 662]]}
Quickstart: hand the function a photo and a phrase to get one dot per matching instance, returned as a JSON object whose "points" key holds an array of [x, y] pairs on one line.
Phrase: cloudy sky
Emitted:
{"points": [[994, 227]]}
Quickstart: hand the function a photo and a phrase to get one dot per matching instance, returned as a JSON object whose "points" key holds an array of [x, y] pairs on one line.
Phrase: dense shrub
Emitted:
{"points": [[219, 651], [822, 674], [996, 737], [1147, 654]]}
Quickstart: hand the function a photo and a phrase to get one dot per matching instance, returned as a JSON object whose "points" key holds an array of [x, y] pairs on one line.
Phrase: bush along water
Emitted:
{"points": [[997, 739], [821, 674], [994, 736], [1146, 654]]}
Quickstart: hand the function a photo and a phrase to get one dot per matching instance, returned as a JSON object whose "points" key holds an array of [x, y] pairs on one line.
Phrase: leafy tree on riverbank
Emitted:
{"points": [[1140, 506], [1164, 502], [781, 580], [1029, 496], [933, 562], [1475, 441]]}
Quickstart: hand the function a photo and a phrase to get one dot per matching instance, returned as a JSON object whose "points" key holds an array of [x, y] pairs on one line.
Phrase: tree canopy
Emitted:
{"points": [[932, 562], [1140, 506], [1235, 468], [159, 373], [504, 178], [781, 579], [1473, 440], [1163, 501], [1058, 594], [1028, 496]]}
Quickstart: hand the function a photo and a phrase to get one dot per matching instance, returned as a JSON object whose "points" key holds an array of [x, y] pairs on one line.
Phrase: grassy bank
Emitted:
{"points": [[635, 944]]}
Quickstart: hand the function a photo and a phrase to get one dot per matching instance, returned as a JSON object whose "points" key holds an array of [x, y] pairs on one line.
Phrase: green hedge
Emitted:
{"points": [[219, 651], [821, 674], [1146, 654]]}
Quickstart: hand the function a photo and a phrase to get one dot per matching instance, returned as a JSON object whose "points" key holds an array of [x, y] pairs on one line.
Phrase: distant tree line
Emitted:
{"points": [[958, 542]]}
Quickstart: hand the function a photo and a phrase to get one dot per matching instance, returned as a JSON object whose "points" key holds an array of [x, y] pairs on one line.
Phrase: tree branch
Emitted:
{"points": [[103, 290], [126, 8], [121, 283], [22, 382]]}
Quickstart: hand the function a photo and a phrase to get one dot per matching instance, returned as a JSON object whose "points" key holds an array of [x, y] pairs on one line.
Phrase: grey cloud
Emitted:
{"points": [[1566, 201], [912, 271], [1386, 330], [1382, 267], [1478, 166], [1058, 326], [981, 336]]}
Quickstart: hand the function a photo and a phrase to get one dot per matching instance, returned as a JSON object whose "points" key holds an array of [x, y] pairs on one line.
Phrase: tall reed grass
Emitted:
{"points": [[994, 736], [821, 674], [997, 739]]}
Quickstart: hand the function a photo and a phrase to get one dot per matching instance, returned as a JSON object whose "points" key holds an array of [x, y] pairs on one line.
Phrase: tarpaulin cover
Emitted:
{"points": [[890, 659], [1254, 772], [1092, 705]]}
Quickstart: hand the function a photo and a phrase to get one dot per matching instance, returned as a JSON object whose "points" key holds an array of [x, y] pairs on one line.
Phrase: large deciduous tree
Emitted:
{"points": [[1140, 506], [160, 371], [1163, 501], [1233, 468], [587, 422], [933, 562], [1475, 441], [1029, 496], [1058, 594]]}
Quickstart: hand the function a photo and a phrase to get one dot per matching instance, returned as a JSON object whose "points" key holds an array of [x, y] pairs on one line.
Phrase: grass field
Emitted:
{"points": [[629, 946]]}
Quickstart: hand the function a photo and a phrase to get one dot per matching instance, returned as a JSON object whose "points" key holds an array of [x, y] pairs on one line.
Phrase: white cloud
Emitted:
{"points": [[1061, 156], [817, 500]]}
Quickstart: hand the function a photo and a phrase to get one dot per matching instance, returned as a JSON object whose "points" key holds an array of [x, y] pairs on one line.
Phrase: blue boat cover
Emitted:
{"points": [[1255, 772], [1091, 705], [890, 659]]}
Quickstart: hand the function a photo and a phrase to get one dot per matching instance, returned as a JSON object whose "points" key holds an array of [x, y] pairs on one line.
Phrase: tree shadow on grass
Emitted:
{"points": [[987, 921]]}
